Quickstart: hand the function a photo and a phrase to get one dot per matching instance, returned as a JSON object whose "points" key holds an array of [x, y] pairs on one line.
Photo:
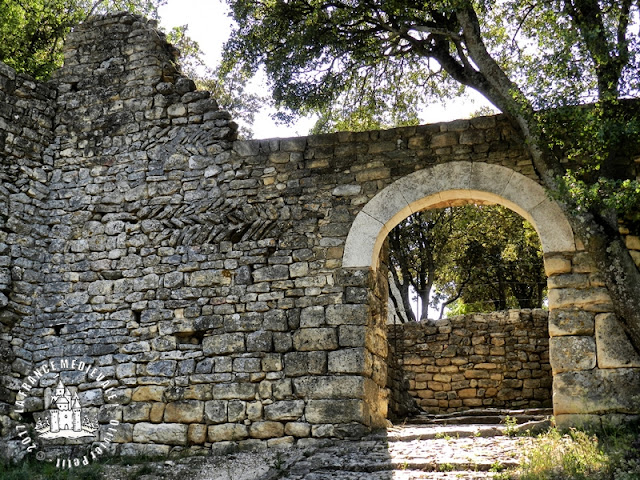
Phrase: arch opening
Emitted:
{"points": [[447, 185]]}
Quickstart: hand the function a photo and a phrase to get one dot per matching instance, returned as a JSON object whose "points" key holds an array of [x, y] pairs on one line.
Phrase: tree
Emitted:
{"points": [[33, 31], [484, 258], [417, 253], [529, 59], [228, 87]]}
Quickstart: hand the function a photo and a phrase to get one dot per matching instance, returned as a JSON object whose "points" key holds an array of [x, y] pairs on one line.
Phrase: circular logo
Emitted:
{"points": [[64, 415]]}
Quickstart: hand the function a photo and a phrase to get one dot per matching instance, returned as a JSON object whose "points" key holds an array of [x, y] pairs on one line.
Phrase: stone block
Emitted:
{"points": [[157, 412], [357, 314], [162, 368], [165, 433], [152, 393], [215, 411], [309, 339], [335, 411], [185, 411], [597, 391], [223, 344], [303, 363], [347, 360], [312, 317], [209, 278], [556, 265], [236, 410], [227, 432], [284, 410], [614, 348], [572, 353], [136, 412], [590, 299], [571, 322], [297, 429], [352, 335], [233, 391], [329, 386], [197, 434], [266, 430]]}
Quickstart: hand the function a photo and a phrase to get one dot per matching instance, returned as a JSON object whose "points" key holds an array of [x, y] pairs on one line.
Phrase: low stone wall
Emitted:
{"points": [[498, 359]]}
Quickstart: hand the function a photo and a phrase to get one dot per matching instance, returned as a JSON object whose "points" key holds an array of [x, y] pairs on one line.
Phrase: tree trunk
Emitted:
{"points": [[598, 233]]}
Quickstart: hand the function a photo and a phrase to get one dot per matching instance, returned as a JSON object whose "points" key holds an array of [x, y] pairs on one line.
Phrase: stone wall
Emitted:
{"points": [[492, 360], [201, 279]]}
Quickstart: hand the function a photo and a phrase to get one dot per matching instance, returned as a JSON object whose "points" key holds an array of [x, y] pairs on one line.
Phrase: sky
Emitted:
{"points": [[209, 25]]}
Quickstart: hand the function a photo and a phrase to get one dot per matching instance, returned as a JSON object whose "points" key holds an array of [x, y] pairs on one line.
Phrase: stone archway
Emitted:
{"points": [[442, 184], [590, 374]]}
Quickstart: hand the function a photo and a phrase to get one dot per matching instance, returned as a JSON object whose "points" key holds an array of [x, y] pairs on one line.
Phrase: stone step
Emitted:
{"points": [[482, 416]]}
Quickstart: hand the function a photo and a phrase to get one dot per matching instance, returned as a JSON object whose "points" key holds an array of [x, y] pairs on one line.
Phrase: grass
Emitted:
{"points": [[35, 470], [612, 454]]}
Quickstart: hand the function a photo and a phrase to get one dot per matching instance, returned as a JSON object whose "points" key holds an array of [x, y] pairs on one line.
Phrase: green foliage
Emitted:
{"points": [[36, 470], [228, 87], [483, 258], [33, 31], [581, 455]]}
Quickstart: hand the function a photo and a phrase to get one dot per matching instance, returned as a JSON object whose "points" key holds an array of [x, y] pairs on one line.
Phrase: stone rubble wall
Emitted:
{"points": [[492, 360], [26, 123], [202, 275]]}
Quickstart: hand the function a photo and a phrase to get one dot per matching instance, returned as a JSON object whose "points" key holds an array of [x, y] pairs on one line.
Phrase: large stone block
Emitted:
{"points": [[329, 387], [165, 433], [597, 391], [571, 322], [227, 432], [590, 299], [335, 411], [284, 410], [266, 430], [572, 353], [215, 411], [185, 411], [357, 314], [614, 348], [209, 278], [223, 344], [309, 339], [347, 360], [148, 393]]}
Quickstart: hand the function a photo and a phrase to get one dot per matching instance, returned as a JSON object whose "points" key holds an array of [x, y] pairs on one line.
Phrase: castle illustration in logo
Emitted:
{"points": [[65, 417]]}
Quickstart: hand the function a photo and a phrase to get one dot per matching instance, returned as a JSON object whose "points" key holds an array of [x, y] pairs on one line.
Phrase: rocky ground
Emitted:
{"points": [[426, 448]]}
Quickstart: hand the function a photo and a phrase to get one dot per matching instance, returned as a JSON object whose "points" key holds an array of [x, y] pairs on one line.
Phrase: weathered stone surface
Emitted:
{"points": [[614, 348], [597, 391], [266, 430], [186, 411], [284, 410], [227, 432], [165, 433], [308, 339], [334, 411], [209, 280], [592, 299], [223, 343], [148, 393], [571, 322], [572, 353]]}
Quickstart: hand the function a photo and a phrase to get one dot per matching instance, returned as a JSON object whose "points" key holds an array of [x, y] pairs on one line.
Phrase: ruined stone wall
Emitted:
{"points": [[26, 121], [201, 276], [492, 360]]}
